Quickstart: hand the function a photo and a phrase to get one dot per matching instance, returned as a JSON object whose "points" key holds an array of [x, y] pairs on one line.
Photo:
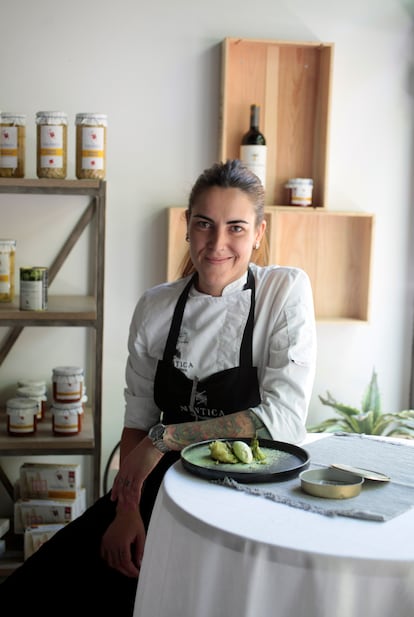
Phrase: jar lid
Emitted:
{"points": [[10, 118], [68, 407], [68, 370], [92, 119], [7, 244], [32, 383], [293, 182], [31, 392], [21, 404], [51, 117]]}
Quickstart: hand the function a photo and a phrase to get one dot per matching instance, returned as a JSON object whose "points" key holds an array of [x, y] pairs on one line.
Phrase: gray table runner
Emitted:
{"points": [[378, 501]]}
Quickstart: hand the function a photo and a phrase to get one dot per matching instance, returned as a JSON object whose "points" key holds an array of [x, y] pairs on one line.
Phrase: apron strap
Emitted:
{"points": [[246, 357]]}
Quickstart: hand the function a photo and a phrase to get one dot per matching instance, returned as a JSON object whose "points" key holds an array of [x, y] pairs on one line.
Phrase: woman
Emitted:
{"points": [[226, 351]]}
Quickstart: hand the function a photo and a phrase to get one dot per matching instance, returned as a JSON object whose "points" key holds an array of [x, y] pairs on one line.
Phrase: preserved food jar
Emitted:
{"points": [[67, 384], [91, 145], [38, 394], [7, 261], [66, 418], [21, 416], [51, 144], [12, 145], [300, 191]]}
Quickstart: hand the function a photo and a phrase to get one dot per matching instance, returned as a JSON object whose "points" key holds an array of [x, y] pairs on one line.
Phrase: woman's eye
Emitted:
{"points": [[236, 229], [203, 224]]}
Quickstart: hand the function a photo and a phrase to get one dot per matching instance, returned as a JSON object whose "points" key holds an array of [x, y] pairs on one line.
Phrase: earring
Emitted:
{"points": [[187, 238], [257, 245]]}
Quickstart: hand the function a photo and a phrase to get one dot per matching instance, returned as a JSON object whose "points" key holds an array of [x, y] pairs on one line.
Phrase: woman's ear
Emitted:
{"points": [[260, 231]]}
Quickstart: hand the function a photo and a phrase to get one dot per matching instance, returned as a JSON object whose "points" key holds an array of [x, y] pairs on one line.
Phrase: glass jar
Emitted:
{"points": [[51, 144], [7, 261], [21, 416], [38, 394], [300, 191], [90, 145], [12, 145], [67, 384], [66, 418]]}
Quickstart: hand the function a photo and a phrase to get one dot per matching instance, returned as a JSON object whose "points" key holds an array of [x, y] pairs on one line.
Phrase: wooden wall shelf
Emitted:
{"points": [[334, 248]]}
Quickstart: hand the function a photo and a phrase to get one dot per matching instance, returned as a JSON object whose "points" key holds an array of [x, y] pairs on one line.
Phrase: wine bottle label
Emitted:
{"points": [[254, 157]]}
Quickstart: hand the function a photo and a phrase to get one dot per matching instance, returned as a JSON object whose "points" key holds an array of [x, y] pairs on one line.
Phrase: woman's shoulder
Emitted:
{"points": [[275, 273], [167, 289]]}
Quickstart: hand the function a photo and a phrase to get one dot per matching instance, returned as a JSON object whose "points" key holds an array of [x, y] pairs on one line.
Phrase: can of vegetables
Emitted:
{"points": [[33, 288]]}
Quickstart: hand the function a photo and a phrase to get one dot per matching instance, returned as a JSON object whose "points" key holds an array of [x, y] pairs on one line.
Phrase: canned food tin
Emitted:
{"points": [[51, 144], [90, 145], [33, 288], [21, 416], [7, 260], [36, 393], [66, 418], [67, 384], [12, 145]]}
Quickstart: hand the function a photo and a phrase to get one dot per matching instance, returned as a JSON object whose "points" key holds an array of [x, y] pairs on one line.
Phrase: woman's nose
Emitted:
{"points": [[217, 238]]}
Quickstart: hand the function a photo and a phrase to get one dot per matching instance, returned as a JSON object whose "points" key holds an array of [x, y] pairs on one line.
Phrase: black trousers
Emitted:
{"points": [[67, 577]]}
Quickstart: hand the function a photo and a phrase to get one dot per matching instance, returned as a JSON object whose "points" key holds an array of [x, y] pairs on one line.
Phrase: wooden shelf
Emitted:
{"points": [[334, 248], [45, 442], [62, 310], [73, 311], [291, 82], [49, 185]]}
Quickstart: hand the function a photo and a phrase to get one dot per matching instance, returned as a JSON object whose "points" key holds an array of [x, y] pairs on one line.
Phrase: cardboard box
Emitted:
{"points": [[36, 535], [29, 512], [49, 481]]}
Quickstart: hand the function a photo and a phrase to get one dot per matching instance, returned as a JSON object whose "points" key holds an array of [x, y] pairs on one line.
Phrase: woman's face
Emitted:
{"points": [[222, 233]]}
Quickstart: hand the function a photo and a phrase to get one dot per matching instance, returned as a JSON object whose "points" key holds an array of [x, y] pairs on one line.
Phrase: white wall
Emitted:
{"points": [[153, 67]]}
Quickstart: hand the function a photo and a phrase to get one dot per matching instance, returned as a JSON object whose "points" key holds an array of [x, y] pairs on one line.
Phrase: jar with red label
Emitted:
{"points": [[66, 418], [37, 393], [21, 416], [67, 384]]}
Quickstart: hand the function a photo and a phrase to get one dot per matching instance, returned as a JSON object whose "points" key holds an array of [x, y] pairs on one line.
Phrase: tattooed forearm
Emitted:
{"points": [[238, 424]]}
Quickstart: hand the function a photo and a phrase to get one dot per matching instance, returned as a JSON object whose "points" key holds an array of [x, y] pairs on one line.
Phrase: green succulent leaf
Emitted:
{"points": [[369, 419], [371, 400]]}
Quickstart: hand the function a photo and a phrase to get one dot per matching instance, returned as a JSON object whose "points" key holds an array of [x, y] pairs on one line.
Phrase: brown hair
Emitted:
{"points": [[231, 174]]}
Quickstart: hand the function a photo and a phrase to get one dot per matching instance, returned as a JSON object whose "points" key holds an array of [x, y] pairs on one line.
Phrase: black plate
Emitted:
{"points": [[286, 460]]}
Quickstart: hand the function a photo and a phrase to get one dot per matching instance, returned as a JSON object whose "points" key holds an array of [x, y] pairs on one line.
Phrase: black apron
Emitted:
{"points": [[181, 399]]}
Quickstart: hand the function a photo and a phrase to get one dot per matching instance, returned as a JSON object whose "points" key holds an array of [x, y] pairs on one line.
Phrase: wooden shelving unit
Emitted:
{"points": [[63, 311], [291, 82]]}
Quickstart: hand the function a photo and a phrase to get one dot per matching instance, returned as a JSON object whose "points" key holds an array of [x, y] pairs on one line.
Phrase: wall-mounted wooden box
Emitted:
{"points": [[291, 82], [334, 248]]}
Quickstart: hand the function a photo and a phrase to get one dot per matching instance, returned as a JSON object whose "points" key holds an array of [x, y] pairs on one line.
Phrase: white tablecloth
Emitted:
{"points": [[215, 552]]}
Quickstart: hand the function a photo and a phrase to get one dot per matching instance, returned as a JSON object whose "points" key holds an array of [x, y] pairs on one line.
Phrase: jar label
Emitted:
{"points": [[4, 273], [8, 146], [21, 422], [65, 421], [93, 146], [51, 146]]}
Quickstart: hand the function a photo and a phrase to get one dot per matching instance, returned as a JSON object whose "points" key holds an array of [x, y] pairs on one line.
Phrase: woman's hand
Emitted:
{"points": [[123, 542], [134, 469]]}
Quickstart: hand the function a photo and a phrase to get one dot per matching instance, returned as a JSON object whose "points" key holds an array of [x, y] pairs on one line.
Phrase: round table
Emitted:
{"points": [[212, 551]]}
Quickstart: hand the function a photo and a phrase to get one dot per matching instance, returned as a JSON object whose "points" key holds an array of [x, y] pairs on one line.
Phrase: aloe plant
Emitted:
{"points": [[369, 419]]}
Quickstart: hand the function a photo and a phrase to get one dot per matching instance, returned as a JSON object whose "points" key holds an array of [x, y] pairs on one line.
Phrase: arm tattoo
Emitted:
{"points": [[240, 424]]}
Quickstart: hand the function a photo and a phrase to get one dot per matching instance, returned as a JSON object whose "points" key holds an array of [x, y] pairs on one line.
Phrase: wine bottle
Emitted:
{"points": [[253, 147]]}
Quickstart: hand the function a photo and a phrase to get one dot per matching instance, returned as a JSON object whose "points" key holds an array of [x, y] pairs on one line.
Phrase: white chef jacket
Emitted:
{"points": [[284, 345]]}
